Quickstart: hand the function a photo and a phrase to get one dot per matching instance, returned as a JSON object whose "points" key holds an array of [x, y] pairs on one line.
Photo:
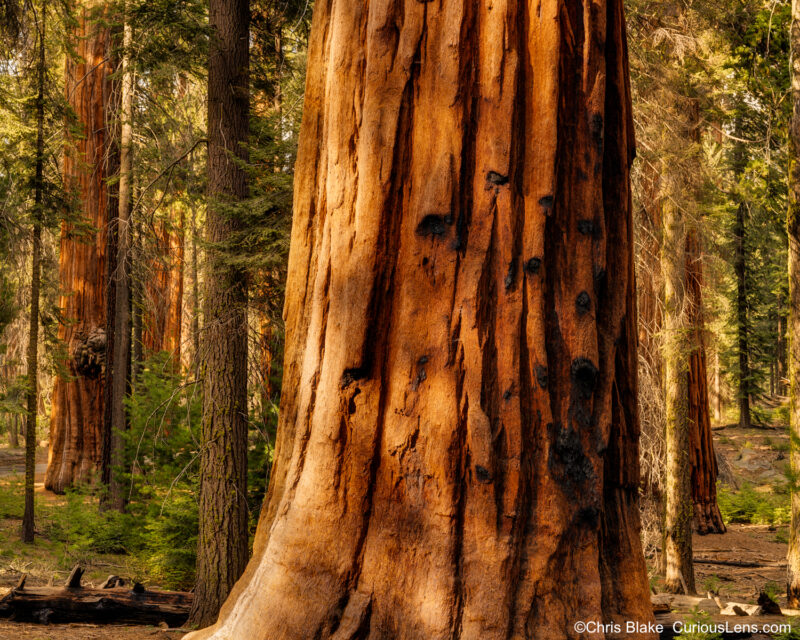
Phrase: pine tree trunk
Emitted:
{"points": [[27, 534], [678, 503], [793, 229], [740, 268], [122, 289], [458, 445], [223, 539], [77, 414], [707, 517]]}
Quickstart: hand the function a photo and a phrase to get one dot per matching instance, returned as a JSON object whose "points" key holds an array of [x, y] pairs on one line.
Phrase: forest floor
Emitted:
{"points": [[753, 495], [753, 465], [48, 562]]}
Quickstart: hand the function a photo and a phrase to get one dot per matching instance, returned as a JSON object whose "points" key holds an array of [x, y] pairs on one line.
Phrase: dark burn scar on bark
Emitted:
{"points": [[351, 375], [351, 403], [511, 275], [541, 376], [588, 517], [434, 224], [586, 227], [422, 375], [596, 130], [496, 178], [533, 265], [584, 377], [599, 275], [583, 303], [507, 394], [483, 474], [567, 462], [547, 202], [425, 262]]}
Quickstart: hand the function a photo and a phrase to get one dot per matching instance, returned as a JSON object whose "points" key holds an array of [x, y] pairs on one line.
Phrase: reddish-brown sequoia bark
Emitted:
{"points": [[161, 329], [707, 517], [78, 401], [458, 447]]}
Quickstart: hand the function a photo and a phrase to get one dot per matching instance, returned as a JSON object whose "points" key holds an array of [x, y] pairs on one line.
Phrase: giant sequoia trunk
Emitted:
{"points": [[458, 450], [793, 228], [222, 548], [163, 307], [77, 417], [707, 517]]}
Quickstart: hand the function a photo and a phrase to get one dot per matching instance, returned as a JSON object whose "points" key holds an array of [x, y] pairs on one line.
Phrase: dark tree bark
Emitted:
{"points": [[740, 269], [78, 401], [458, 444], [36, 274], [793, 230], [122, 288], [707, 517], [223, 542]]}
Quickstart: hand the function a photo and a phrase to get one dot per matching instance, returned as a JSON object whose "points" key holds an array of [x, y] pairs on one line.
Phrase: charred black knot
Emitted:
{"points": [[507, 394], [89, 353], [422, 376], [541, 376], [496, 178], [547, 202], [583, 303], [483, 474], [533, 265], [433, 225], [588, 517], [567, 461], [586, 227], [351, 375], [584, 377]]}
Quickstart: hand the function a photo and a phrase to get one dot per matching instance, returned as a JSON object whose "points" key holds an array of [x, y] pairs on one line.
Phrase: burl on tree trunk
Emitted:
{"points": [[78, 399], [707, 517], [458, 448]]}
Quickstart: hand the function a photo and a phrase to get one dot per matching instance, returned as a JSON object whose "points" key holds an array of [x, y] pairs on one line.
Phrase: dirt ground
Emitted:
{"points": [[13, 631]]}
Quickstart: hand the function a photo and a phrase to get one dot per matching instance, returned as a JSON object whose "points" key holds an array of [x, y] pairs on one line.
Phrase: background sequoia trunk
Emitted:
{"points": [[77, 418], [707, 517], [458, 448], [161, 330]]}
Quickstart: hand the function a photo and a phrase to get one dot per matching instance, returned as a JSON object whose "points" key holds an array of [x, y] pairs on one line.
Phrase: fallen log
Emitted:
{"points": [[740, 563], [115, 605]]}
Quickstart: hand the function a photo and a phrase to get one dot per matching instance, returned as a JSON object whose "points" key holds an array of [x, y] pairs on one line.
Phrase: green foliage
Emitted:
{"points": [[698, 619], [792, 634], [750, 506]]}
